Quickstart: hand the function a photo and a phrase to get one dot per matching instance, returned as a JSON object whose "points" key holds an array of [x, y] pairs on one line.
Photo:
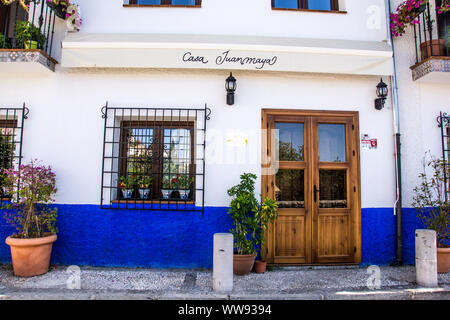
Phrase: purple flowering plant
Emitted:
{"points": [[32, 189], [407, 13]]}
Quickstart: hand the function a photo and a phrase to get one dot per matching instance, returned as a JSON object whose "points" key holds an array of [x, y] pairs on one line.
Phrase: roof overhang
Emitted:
{"points": [[93, 50]]}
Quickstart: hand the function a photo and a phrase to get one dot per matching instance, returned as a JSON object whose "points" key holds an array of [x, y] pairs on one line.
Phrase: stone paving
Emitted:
{"points": [[277, 283]]}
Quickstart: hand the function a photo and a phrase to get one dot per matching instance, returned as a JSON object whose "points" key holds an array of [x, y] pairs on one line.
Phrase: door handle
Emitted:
{"points": [[315, 193]]}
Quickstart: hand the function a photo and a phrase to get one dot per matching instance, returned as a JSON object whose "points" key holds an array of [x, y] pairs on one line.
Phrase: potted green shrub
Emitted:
{"points": [[250, 220], [32, 189], [28, 35], [433, 207]]}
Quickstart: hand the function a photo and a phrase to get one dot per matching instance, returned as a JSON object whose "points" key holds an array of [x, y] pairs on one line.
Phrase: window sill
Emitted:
{"points": [[310, 10], [161, 5], [131, 201]]}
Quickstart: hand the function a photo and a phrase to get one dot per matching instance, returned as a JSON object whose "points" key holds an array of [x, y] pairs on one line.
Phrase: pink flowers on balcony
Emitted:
{"points": [[407, 13]]}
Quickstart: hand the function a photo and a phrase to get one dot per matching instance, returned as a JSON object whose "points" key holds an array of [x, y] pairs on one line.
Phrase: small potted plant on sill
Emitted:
{"points": [[433, 207], [32, 189], [177, 187], [127, 184], [250, 220], [144, 183]]}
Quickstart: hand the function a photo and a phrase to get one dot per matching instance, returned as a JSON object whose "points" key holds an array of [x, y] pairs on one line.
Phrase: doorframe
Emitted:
{"points": [[356, 166]]}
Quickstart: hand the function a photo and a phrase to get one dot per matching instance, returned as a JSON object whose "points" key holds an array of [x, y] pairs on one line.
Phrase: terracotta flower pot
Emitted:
{"points": [[31, 257], [438, 48], [443, 260], [260, 266], [243, 264]]}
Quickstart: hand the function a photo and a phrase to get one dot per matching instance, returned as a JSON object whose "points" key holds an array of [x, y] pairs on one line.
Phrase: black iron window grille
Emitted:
{"points": [[444, 123], [154, 158], [11, 137]]}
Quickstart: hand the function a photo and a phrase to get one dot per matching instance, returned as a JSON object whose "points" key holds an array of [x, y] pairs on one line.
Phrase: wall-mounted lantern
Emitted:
{"points": [[382, 92], [230, 85]]}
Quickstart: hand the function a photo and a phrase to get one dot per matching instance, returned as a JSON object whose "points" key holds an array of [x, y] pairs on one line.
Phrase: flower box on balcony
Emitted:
{"points": [[438, 46]]}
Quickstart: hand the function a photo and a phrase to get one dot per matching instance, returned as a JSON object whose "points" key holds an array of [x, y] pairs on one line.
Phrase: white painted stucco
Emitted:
{"points": [[65, 128], [420, 103]]}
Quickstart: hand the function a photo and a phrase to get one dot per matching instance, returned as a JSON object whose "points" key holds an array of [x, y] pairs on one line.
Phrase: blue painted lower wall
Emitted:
{"points": [[92, 236]]}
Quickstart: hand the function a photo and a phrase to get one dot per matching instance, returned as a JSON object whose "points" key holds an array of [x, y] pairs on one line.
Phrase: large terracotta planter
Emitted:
{"points": [[31, 257], [438, 48], [243, 264], [443, 260]]}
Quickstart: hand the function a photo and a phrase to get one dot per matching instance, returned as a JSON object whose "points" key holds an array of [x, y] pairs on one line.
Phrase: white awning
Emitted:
{"points": [[93, 50]]}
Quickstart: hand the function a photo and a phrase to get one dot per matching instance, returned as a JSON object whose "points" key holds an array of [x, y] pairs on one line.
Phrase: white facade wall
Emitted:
{"points": [[65, 128], [420, 104]]}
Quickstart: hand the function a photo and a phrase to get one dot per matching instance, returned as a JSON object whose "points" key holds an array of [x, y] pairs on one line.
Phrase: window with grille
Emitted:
{"points": [[444, 124], [165, 2], [326, 5], [11, 136], [154, 158]]}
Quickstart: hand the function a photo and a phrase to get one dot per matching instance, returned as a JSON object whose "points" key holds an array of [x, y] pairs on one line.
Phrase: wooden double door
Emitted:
{"points": [[310, 165]]}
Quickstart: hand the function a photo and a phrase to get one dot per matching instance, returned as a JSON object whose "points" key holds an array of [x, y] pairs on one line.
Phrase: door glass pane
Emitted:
{"points": [[290, 188], [289, 141], [333, 188], [319, 4], [332, 142]]}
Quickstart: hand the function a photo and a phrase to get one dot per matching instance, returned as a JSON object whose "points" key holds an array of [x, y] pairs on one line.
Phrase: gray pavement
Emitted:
{"points": [[288, 283]]}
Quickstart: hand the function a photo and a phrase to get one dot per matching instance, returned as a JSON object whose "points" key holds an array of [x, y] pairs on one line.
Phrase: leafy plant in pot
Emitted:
{"points": [[28, 35], [433, 206], [250, 220], [144, 184], [32, 189], [127, 184]]}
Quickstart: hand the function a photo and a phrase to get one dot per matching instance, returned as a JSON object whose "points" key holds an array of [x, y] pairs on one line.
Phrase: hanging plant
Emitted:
{"points": [[59, 7], [445, 7], [407, 13], [73, 17], [24, 3], [67, 11]]}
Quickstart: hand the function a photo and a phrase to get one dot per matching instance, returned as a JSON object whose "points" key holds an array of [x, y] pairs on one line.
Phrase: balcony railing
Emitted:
{"points": [[30, 29], [432, 34]]}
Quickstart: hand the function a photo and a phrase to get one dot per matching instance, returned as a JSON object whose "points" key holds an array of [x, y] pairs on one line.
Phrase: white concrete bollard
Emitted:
{"points": [[426, 260], [223, 262]]}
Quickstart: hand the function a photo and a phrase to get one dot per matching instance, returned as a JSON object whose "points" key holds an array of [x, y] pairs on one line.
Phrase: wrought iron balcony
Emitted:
{"points": [[432, 44], [26, 34]]}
